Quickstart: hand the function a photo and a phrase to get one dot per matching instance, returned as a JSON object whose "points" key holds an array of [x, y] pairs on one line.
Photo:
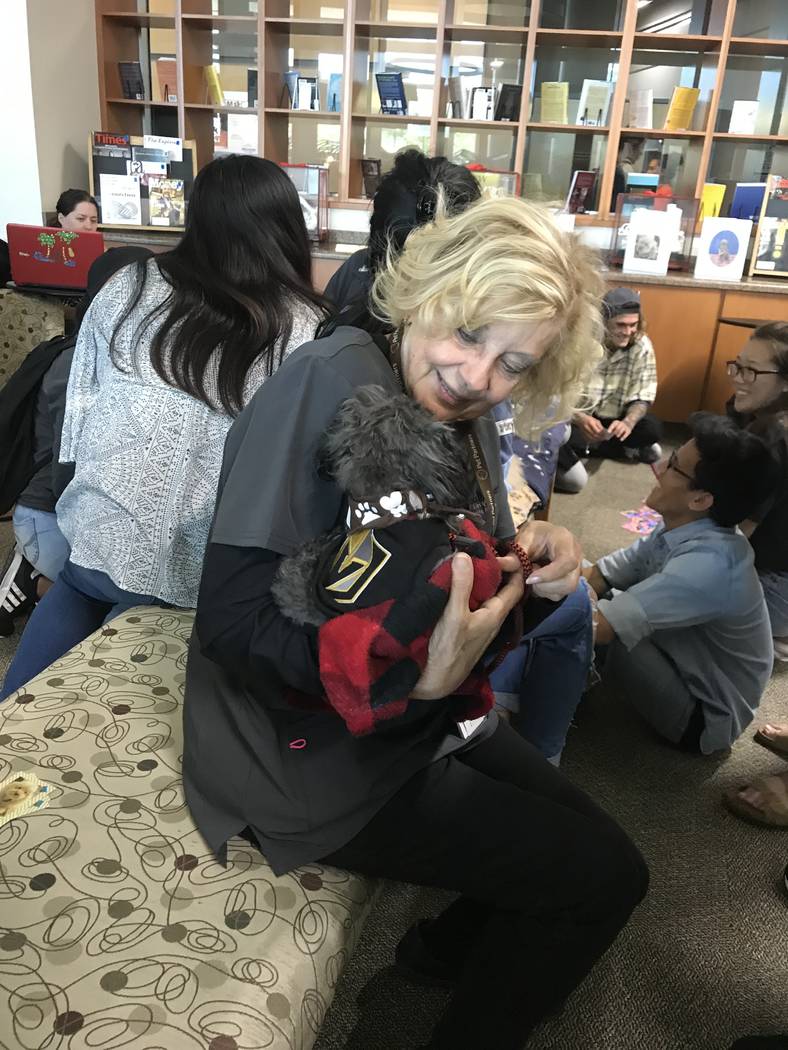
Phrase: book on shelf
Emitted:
{"points": [[744, 114], [747, 200], [775, 201], [334, 93], [594, 103], [641, 108], [482, 103], [166, 201], [711, 199], [555, 102], [638, 181], [456, 104], [213, 86], [131, 82], [722, 249], [681, 108], [370, 174], [167, 79], [290, 89], [307, 93], [581, 193], [251, 88], [391, 92], [508, 105]]}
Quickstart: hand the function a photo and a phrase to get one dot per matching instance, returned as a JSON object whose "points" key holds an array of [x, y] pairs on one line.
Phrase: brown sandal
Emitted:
{"points": [[774, 743], [773, 811]]}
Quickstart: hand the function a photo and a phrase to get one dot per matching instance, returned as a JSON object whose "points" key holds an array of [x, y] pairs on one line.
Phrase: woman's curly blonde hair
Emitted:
{"points": [[504, 259]]}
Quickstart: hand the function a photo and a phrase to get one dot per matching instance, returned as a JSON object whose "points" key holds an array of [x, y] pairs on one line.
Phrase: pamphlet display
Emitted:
{"points": [[555, 101], [120, 200], [711, 199], [641, 109], [131, 81], [129, 175], [391, 91], [580, 198], [681, 109], [747, 200], [594, 103], [722, 249], [743, 117]]}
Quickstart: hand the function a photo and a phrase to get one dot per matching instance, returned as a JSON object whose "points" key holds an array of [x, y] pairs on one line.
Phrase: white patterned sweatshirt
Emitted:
{"points": [[147, 455]]}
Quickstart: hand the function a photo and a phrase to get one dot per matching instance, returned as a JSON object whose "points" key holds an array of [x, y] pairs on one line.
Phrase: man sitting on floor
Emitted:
{"points": [[687, 630], [615, 422]]}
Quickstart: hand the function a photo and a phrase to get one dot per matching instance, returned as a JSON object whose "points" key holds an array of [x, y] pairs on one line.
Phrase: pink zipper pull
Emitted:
{"points": [[297, 745]]}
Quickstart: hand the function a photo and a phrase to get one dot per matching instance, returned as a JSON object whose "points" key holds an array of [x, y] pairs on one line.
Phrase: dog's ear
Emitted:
{"points": [[379, 443]]}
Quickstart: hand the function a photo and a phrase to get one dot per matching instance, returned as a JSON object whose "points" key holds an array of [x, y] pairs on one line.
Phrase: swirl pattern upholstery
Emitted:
{"points": [[118, 928], [25, 321]]}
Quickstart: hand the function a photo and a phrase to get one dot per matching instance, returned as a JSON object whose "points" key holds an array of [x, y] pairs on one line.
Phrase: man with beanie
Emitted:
{"points": [[614, 421]]}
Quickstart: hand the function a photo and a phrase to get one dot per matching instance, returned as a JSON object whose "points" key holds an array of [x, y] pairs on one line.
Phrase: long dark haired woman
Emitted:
{"points": [[167, 356]]}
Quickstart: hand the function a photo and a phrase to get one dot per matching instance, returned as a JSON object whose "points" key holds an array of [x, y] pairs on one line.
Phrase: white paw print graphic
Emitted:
{"points": [[367, 512], [394, 504]]}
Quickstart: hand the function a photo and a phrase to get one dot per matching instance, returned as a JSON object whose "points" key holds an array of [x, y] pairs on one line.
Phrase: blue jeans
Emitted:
{"points": [[542, 680], [76, 605], [40, 540]]}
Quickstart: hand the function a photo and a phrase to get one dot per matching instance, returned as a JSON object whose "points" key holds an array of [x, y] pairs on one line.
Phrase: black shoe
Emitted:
{"points": [[17, 592], [415, 959], [650, 453]]}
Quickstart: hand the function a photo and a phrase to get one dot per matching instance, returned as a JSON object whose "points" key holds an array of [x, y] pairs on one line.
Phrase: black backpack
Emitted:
{"points": [[17, 419]]}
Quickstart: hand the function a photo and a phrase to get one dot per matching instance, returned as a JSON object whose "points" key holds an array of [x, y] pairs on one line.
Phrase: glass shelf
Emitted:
{"points": [[405, 12], [230, 50], [735, 160], [475, 13], [413, 58], [761, 18], [572, 65], [221, 8], [471, 64], [552, 156], [493, 147], [662, 71], [760, 80], [692, 17], [588, 14]]}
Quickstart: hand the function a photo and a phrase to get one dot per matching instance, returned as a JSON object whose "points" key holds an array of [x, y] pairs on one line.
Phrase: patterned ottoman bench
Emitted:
{"points": [[117, 926]]}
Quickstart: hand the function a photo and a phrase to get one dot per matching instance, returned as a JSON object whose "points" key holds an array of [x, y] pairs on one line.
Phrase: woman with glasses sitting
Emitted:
{"points": [[760, 403]]}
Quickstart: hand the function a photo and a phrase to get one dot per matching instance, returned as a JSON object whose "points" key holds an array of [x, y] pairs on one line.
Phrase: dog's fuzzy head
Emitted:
{"points": [[379, 443]]}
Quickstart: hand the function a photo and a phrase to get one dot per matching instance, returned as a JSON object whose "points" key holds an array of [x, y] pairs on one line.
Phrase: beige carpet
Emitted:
{"points": [[704, 959]]}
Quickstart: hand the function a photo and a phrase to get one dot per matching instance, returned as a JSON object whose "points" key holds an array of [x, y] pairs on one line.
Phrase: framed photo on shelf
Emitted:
{"points": [[681, 248], [482, 103], [722, 249], [650, 241], [508, 105]]}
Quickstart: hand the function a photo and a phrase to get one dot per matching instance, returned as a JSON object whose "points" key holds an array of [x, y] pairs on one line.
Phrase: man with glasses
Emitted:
{"points": [[615, 422], [683, 620]]}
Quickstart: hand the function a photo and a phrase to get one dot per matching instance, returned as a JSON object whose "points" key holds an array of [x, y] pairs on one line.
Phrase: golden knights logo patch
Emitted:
{"points": [[359, 560]]}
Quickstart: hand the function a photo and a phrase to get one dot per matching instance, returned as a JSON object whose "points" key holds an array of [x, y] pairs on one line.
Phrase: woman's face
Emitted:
{"points": [[462, 375], [766, 389], [83, 219]]}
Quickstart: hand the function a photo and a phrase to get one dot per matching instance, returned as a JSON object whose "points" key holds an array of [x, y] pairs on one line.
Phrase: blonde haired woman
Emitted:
{"points": [[494, 303]]}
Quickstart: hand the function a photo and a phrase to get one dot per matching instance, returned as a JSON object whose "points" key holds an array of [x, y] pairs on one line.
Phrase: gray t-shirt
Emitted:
{"points": [[298, 778]]}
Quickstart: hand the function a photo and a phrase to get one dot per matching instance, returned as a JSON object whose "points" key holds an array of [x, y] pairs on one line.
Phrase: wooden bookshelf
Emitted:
{"points": [[357, 38]]}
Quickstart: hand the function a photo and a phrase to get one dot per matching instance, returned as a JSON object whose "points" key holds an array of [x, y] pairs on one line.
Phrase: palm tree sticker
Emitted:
{"points": [[66, 237], [46, 240]]}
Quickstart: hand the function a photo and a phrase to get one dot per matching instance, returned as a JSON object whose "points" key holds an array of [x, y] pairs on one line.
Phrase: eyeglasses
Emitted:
{"points": [[746, 373], [673, 465]]}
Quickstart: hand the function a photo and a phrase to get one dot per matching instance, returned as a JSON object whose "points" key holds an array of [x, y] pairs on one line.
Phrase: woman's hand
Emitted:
{"points": [[561, 554], [461, 637]]}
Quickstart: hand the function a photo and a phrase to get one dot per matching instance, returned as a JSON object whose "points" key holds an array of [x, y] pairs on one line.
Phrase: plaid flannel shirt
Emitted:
{"points": [[622, 376]]}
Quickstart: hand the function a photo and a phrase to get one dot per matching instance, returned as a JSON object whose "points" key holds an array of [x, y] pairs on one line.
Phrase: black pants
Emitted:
{"points": [[646, 431], [547, 881]]}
